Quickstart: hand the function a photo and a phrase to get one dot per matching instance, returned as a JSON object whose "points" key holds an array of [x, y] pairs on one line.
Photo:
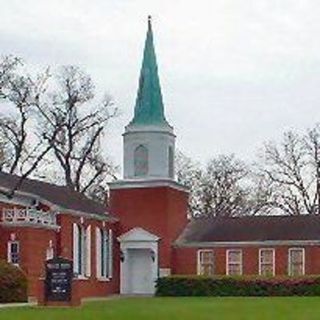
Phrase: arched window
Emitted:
{"points": [[141, 161], [171, 162]]}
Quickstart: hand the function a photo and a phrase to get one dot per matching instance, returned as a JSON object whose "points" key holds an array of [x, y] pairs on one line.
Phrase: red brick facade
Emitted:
{"points": [[186, 259], [159, 210], [34, 242]]}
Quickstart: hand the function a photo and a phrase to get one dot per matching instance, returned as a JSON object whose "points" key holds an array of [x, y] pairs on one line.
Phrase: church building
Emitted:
{"points": [[145, 232]]}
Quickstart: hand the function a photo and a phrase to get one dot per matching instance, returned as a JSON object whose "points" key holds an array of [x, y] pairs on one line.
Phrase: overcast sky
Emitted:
{"points": [[234, 73]]}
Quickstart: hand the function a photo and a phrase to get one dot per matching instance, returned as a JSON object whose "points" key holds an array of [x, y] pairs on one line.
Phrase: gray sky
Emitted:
{"points": [[234, 73]]}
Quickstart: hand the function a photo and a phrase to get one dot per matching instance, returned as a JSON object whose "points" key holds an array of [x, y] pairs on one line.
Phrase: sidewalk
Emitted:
{"points": [[17, 305]]}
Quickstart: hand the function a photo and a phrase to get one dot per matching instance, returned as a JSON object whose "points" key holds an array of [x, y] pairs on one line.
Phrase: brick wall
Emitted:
{"points": [[91, 287], [159, 210], [185, 260], [34, 242]]}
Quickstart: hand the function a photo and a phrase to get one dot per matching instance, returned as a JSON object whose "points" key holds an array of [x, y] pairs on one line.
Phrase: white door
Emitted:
{"points": [[140, 271]]}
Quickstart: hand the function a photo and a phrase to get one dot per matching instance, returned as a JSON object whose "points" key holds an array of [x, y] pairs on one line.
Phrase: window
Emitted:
{"points": [[13, 252], [205, 262], [266, 262], [141, 161], [296, 262], [82, 250], [104, 253], [49, 253], [171, 162], [234, 262]]}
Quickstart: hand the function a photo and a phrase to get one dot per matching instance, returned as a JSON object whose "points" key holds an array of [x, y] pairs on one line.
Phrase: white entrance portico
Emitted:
{"points": [[139, 262]]}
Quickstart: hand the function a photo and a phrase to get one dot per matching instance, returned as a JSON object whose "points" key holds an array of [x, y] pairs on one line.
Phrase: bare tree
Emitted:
{"points": [[291, 169], [8, 65], [219, 189], [82, 121], [21, 150]]}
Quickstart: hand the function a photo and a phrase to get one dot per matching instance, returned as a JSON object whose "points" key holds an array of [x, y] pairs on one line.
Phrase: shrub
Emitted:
{"points": [[238, 286], [13, 283]]}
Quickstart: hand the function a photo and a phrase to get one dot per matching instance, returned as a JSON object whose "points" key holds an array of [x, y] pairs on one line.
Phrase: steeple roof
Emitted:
{"points": [[149, 108]]}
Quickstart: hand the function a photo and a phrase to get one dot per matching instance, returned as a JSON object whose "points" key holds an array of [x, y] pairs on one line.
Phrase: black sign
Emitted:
{"points": [[59, 273]]}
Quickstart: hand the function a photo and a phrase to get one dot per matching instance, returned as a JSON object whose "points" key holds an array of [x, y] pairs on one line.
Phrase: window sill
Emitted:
{"points": [[81, 278], [102, 279]]}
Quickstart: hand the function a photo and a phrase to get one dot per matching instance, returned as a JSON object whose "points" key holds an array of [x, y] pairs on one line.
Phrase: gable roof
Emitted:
{"points": [[251, 229], [61, 196]]}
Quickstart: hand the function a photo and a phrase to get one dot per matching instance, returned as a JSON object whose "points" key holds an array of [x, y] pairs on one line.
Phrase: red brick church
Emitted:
{"points": [[145, 233]]}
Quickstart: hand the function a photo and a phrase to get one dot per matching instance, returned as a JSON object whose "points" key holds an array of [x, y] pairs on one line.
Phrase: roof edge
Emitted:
{"points": [[219, 244], [147, 183], [59, 208]]}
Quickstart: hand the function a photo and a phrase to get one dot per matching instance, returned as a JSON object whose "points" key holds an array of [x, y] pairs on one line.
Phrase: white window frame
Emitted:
{"points": [[104, 268], [227, 261], [199, 264], [87, 249], [110, 252], [289, 260], [137, 159], [49, 253], [9, 252], [273, 260], [82, 242]]}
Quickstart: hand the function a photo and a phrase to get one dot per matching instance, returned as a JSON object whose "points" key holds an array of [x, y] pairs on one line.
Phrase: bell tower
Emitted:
{"points": [[150, 205], [149, 141]]}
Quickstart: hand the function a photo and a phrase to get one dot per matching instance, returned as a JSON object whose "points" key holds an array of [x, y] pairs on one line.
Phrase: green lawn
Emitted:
{"points": [[291, 308]]}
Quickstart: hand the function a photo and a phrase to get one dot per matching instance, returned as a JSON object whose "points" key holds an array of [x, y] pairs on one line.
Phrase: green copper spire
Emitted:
{"points": [[149, 106]]}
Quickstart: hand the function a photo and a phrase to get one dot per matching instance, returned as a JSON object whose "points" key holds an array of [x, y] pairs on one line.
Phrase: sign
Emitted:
{"points": [[59, 273]]}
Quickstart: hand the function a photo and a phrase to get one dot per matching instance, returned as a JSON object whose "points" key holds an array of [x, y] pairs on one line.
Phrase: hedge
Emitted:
{"points": [[240, 286], [13, 283]]}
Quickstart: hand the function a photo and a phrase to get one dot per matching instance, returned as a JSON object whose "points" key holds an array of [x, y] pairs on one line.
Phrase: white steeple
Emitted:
{"points": [[149, 141]]}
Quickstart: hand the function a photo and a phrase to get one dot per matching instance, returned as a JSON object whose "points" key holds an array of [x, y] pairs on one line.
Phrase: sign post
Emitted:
{"points": [[58, 282]]}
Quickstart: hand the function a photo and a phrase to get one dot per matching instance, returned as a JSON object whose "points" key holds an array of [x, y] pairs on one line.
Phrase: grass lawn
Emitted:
{"points": [[290, 308]]}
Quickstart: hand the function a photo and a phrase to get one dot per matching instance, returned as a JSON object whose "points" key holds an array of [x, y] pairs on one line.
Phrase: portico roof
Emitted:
{"points": [[138, 234]]}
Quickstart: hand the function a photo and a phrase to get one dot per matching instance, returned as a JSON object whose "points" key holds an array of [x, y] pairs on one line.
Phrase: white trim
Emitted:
{"points": [[88, 252], [289, 260], [110, 254], [77, 213], [147, 183], [81, 277], [199, 264], [75, 246], [49, 253], [131, 128], [9, 255], [218, 244], [138, 239], [137, 234], [31, 225], [61, 209], [103, 279], [227, 260], [273, 259], [98, 253]]}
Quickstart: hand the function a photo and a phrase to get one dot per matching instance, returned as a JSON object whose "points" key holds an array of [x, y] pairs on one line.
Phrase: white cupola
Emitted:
{"points": [[149, 141]]}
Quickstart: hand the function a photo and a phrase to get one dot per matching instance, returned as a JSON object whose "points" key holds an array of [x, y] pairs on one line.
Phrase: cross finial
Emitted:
{"points": [[149, 21]]}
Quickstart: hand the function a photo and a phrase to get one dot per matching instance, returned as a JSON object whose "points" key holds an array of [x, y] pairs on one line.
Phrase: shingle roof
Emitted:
{"points": [[250, 229], [61, 196]]}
